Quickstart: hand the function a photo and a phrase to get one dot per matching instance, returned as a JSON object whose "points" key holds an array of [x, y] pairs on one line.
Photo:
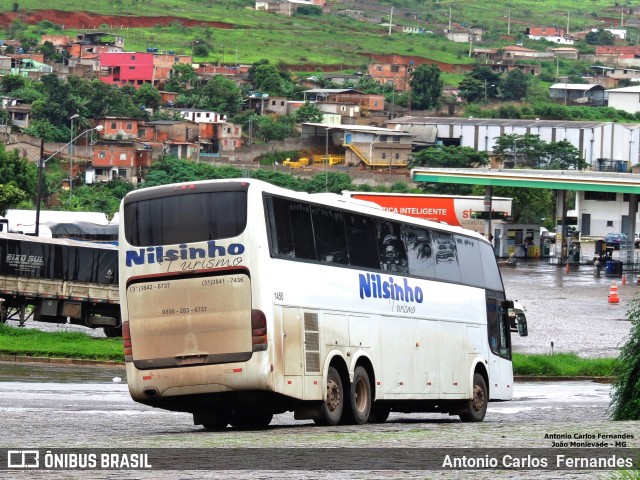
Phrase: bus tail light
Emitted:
{"points": [[258, 330], [126, 339]]}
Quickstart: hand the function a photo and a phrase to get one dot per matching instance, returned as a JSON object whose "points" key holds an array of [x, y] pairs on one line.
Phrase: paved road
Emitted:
{"points": [[570, 309], [83, 407]]}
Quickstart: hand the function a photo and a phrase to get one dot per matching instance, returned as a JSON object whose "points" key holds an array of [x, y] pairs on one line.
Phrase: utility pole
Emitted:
{"points": [[40, 169]]}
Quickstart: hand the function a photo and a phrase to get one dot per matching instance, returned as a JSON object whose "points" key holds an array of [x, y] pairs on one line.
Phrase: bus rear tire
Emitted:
{"points": [[379, 414], [112, 332], [476, 407], [213, 421], [248, 419], [334, 404], [360, 397]]}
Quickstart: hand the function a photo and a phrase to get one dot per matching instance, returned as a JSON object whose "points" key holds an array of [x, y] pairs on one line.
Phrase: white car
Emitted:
{"points": [[544, 233]]}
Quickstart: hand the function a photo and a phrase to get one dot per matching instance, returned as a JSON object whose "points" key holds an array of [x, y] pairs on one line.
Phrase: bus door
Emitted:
{"points": [[499, 337]]}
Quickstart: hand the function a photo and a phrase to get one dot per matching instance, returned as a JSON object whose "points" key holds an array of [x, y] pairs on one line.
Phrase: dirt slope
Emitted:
{"points": [[82, 20]]}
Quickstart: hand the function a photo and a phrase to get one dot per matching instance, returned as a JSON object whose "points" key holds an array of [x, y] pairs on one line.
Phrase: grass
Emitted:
{"points": [[562, 365], [331, 39], [78, 345], [35, 343]]}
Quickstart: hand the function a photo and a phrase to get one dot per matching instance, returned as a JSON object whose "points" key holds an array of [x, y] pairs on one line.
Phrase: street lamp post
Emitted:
{"points": [[42, 162], [71, 154]]}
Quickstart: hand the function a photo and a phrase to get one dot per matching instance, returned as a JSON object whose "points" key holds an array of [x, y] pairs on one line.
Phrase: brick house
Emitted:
{"points": [[398, 74], [120, 159], [163, 66], [127, 68]]}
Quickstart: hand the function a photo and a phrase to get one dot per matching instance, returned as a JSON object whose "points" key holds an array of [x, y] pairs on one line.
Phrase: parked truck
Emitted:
{"points": [[59, 281]]}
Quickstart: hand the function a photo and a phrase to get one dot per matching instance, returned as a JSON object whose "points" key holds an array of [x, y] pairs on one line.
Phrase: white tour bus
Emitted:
{"points": [[241, 300]]}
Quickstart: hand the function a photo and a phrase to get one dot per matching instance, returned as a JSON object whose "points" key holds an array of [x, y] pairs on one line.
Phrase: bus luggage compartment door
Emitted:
{"points": [[190, 320]]}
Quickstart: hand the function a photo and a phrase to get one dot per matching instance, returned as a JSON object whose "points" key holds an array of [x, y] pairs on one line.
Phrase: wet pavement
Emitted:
{"points": [[570, 309]]}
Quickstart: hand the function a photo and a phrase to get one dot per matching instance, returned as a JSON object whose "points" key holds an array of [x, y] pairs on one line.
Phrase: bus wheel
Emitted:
{"points": [[333, 406], [379, 414], [112, 332], [213, 421], [247, 419], [360, 398], [476, 407]]}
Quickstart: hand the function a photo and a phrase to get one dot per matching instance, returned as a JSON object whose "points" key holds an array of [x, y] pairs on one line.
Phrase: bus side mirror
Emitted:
{"points": [[517, 319], [522, 326]]}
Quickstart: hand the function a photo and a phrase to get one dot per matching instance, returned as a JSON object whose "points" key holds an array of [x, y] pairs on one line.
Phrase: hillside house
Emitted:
{"points": [[550, 34], [127, 68], [163, 65], [87, 48], [118, 128], [200, 116], [289, 7], [114, 160], [372, 147], [626, 98], [464, 35], [229, 138], [348, 102], [397, 74], [580, 93]]}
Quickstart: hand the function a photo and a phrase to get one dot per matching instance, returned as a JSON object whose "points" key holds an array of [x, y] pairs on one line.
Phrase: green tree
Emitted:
{"points": [[269, 128], [426, 87], [222, 95], [18, 179], [10, 197], [625, 399], [11, 83], [102, 197], [183, 78], [308, 113], [514, 86], [147, 96], [332, 182], [488, 78], [563, 155], [600, 37], [310, 10], [522, 150], [448, 157], [529, 204], [172, 170], [267, 79], [281, 179], [471, 90]]}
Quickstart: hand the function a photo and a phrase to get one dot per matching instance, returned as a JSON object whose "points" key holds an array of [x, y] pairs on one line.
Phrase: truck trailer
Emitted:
{"points": [[59, 281]]}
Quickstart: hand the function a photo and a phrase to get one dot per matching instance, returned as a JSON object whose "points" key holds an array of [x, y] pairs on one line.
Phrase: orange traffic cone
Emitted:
{"points": [[567, 268], [613, 293], [624, 279]]}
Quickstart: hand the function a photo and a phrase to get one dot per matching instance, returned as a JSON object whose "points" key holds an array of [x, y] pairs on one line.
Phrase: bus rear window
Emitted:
{"points": [[186, 218]]}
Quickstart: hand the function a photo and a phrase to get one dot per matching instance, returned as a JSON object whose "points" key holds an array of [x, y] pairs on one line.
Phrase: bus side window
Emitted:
{"points": [[393, 255], [447, 263], [302, 230], [280, 235], [361, 240], [471, 272], [419, 251], [331, 241]]}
